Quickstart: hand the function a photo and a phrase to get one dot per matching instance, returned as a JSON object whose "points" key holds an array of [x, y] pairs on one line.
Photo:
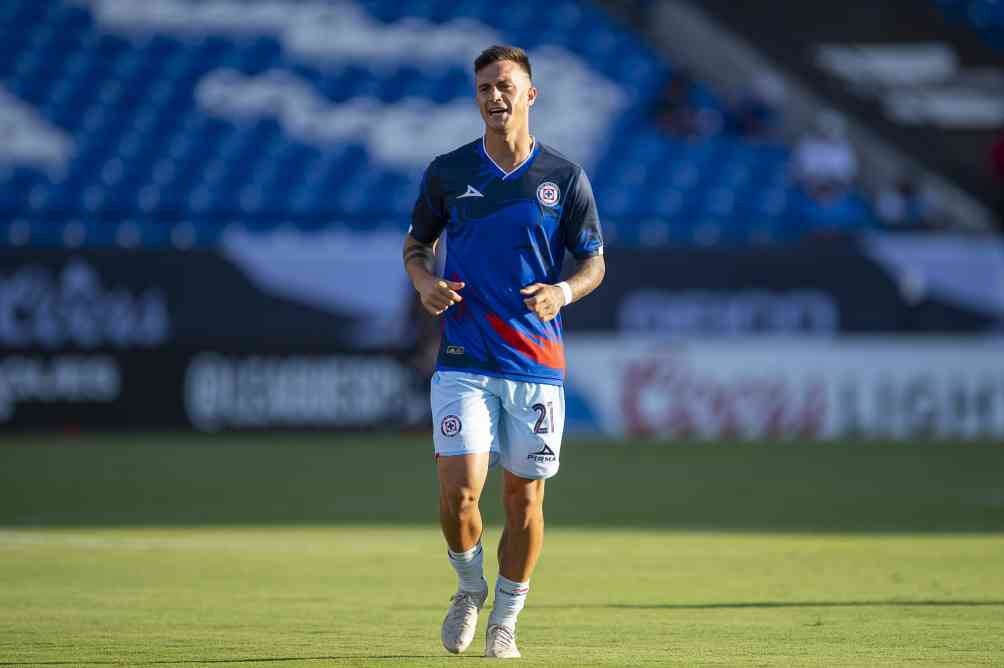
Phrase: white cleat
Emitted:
{"points": [[462, 619], [500, 642]]}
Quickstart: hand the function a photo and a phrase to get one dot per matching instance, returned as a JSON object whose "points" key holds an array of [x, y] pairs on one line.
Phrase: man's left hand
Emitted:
{"points": [[543, 299]]}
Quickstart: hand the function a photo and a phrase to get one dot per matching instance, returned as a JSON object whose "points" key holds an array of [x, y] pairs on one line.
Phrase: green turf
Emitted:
{"points": [[290, 550], [187, 480], [361, 596]]}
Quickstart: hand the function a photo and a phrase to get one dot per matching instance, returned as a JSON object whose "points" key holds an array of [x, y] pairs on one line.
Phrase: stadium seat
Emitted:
{"points": [[986, 17], [145, 150]]}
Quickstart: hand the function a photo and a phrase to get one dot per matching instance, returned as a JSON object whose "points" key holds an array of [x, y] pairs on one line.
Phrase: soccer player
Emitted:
{"points": [[510, 207]]}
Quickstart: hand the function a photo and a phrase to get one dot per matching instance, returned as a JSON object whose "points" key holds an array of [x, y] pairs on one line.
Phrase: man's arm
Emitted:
{"points": [[546, 300], [436, 294]]}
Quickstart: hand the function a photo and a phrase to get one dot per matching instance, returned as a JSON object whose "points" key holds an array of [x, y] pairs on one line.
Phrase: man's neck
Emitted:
{"points": [[510, 149]]}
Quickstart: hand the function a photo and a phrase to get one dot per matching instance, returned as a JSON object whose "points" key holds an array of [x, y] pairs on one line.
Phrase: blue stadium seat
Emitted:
{"points": [[146, 151], [986, 17]]}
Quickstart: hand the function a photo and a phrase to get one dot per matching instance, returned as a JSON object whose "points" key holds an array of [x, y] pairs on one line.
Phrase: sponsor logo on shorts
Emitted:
{"points": [[548, 193], [454, 350], [451, 425], [543, 456]]}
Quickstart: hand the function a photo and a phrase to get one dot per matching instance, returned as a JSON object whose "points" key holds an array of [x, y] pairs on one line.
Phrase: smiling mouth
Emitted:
{"points": [[497, 112]]}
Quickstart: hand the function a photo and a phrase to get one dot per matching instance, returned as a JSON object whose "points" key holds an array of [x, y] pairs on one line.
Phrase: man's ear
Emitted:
{"points": [[531, 95]]}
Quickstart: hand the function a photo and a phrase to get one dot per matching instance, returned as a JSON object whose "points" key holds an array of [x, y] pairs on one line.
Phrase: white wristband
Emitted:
{"points": [[566, 290]]}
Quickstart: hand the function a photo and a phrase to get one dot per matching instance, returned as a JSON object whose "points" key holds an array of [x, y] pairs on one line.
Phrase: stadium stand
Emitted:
{"points": [[167, 122], [922, 90], [985, 16]]}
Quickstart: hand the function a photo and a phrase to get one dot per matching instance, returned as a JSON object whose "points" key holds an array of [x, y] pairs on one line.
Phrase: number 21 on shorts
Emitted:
{"points": [[545, 419]]}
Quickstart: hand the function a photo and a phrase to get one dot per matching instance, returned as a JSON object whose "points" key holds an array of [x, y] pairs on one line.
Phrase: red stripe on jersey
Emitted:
{"points": [[547, 352]]}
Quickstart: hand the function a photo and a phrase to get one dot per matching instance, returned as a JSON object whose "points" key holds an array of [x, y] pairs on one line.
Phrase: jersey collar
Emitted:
{"points": [[518, 169]]}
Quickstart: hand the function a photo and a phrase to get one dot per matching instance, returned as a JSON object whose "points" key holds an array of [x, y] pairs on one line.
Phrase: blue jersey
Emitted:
{"points": [[505, 231]]}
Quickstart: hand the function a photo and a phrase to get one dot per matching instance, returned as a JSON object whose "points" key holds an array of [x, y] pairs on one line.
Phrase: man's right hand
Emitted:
{"points": [[438, 294]]}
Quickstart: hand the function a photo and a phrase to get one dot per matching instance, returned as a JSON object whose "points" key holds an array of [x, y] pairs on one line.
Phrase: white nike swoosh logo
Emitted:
{"points": [[471, 192]]}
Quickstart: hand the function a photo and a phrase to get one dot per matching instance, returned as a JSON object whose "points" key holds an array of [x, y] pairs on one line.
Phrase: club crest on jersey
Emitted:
{"points": [[451, 425], [548, 193]]}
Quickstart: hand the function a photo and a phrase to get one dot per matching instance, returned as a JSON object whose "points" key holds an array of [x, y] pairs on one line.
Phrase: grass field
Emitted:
{"points": [[314, 550]]}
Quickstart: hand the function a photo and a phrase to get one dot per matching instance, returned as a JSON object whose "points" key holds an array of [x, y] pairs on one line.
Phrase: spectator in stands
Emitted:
{"points": [[825, 167], [756, 112], [905, 205], [824, 161], [681, 110]]}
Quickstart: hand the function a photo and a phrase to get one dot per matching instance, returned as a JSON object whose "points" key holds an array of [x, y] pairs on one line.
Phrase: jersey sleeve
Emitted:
{"points": [[429, 215], [583, 237]]}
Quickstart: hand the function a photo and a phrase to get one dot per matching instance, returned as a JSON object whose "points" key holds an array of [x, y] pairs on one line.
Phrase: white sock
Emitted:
{"points": [[469, 566], [510, 597]]}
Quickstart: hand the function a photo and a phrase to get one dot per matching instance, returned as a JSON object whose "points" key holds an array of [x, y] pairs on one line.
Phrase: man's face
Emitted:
{"points": [[504, 95]]}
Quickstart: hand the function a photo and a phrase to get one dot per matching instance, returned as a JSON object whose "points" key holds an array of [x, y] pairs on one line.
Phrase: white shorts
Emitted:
{"points": [[519, 423]]}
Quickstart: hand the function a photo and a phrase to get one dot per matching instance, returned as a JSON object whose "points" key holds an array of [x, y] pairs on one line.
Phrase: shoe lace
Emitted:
{"points": [[505, 636], [462, 601]]}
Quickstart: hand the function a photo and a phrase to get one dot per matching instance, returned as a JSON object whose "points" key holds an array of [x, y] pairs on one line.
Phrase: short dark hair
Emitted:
{"points": [[494, 54]]}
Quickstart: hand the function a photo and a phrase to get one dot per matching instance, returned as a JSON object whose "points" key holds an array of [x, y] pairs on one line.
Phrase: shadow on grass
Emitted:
{"points": [[783, 604]]}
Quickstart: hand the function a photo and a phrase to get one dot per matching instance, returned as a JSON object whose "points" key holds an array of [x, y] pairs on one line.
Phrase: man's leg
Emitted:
{"points": [[533, 424], [519, 549], [461, 479], [523, 534], [465, 418]]}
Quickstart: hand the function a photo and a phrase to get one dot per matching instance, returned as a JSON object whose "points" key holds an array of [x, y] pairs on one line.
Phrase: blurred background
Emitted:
{"points": [[785, 404], [202, 205]]}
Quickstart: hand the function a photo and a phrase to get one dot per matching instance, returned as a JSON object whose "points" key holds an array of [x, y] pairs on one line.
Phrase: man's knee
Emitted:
{"points": [[460, 500], [461, 480]]}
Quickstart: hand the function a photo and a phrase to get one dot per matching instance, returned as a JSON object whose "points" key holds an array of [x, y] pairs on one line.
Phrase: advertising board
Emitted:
{"points": [[893, 387]]}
